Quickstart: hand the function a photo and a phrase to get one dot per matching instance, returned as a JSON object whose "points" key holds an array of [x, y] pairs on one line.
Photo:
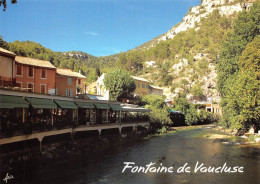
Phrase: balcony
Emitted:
{"points": [[7, 82]]}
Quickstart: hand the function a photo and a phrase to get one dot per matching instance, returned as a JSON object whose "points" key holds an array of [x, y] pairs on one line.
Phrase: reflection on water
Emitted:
{"points": [[170, 150]]}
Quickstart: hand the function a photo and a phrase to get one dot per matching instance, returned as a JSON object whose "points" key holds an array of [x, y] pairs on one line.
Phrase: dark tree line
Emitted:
{"points": [[3, 2]]}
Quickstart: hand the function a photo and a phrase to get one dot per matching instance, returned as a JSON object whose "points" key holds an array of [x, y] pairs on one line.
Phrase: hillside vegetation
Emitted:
{"points": [[74, 60]]}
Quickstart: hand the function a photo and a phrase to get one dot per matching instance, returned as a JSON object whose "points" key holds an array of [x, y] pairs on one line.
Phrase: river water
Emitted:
{"points": [[172, 150]]}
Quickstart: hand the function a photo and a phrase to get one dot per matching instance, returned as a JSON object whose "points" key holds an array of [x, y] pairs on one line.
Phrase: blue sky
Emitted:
{"points": [[97, 27]]}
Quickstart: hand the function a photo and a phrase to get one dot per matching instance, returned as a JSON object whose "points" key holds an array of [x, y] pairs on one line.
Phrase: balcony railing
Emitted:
{"points": [[7, 82]]}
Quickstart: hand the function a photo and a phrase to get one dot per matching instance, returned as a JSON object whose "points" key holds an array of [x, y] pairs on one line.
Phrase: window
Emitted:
{"points": [[69, 92], [79, 81], [30, 87], [147, 86], [19, 84], [30, 71], [138, 84], [143, 85], [43, 88], [69, 81], [44, 74], [19, 71]]}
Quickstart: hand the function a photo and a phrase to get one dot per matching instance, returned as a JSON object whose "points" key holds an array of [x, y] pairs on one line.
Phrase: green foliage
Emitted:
{"points": [[159, 114], [205, 117], [192, 116], [164, 77], [251, 138], [181, 104], [153, 100], [3, 44], [163, 130], [119, 83], [238, 72], [196, 90], [174, 86]]}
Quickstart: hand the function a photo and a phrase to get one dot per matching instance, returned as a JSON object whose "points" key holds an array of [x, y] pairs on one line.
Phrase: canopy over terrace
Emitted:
{"points": [[103, 106], [85, 105], [41, 103], [9, 102], [64, 104], [116, 107]]}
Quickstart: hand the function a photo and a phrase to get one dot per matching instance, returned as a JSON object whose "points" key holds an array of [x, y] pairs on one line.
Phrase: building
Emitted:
{"points": [[156, 90], [7, 68], [100, 87], [69, 83], [81, 83], [34, 75], [142, 86], [214, 108]]}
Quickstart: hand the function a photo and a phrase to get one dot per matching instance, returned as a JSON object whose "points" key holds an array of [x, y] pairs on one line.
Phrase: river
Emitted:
{"points": [[172, 150]]}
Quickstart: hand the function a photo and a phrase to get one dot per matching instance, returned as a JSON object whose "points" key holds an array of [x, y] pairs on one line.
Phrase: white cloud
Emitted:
{"points": [[91, 33]]}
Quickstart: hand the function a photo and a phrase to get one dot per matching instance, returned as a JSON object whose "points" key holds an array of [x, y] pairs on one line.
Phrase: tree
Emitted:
{"points": [[238, 72], [243, 98], [165, 78], [196, 90], [3, 44], [119, 83], [159, 114], [3, 2], [181, 104]]}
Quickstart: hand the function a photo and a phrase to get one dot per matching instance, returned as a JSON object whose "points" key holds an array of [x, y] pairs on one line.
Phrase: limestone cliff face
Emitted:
{"points": [[191, 20], [225, 7]]}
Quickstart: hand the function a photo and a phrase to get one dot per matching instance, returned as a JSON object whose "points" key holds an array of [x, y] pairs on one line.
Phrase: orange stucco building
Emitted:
{"points": [[69, 83], [7, 68], [34, 75]]}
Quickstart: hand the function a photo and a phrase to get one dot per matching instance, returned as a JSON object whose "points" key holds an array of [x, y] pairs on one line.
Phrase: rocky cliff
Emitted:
{"points": [[225, 7], [181, 69]]}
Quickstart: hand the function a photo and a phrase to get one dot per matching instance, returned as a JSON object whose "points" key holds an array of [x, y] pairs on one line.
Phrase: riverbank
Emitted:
{"points": [[226, 136], [229, 137], [169, 130]]}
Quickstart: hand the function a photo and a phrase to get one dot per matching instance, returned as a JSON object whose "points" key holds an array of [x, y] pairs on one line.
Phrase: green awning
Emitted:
{"points": [[135, 110], [7, 101], [116, 107], [66, 104], [85, 105], [41, 103], [102, 106]]}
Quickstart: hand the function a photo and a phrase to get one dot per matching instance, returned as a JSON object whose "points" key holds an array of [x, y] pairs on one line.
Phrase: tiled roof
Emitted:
{"points": [[79, 75], [6, 51], [140, 79], [33, 62], [68, 72], [156, 87]]}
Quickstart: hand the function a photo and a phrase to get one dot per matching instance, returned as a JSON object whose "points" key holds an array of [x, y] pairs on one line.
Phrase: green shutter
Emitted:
{"points": [[102, 106], [41, 103], [7, 101], [85, 105], [116, 107], [66, 104]]}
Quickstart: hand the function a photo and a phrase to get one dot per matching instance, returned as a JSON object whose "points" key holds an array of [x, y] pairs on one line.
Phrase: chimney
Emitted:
{"points": [[79, 71]]}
